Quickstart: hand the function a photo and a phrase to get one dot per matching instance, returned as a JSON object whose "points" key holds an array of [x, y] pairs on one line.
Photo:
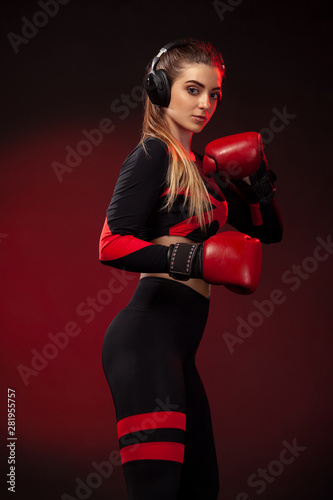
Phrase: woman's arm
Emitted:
{"points": [[258, 220], [137, 190]]}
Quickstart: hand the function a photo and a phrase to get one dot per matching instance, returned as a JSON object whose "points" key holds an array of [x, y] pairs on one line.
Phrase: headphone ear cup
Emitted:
{"points": [[151, 88], [157, 86], [164, 88]]}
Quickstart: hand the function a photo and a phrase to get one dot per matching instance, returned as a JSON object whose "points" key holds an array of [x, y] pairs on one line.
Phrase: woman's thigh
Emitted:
{"points": [[143, 363]]}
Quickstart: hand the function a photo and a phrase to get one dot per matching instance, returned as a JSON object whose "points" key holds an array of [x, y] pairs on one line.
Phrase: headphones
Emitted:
{"points": [[157, 84]]}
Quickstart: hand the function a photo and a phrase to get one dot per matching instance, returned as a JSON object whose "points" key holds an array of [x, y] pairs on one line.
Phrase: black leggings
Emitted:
{"points": [[163, 416]]}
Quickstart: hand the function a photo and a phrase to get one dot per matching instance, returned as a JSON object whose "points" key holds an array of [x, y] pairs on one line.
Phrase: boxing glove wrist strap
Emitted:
{"points": [[261, 189], [184, 261]]}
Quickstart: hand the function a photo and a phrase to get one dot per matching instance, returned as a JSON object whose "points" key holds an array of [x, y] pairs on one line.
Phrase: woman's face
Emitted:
{"points": [[194, 96]]}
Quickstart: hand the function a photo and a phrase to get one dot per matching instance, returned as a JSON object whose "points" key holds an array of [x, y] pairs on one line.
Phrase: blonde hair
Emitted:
{"points": [[183, 176]]}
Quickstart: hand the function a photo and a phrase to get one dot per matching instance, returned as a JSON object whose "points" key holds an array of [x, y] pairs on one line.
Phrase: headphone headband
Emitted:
{"points": [[168, 46]]}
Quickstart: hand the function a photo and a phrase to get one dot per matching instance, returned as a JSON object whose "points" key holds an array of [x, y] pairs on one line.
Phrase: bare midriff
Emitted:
{"points": [[198, 285]]}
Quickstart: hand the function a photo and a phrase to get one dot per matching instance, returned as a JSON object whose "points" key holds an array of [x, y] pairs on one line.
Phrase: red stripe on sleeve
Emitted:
{"points": [[115, 246], [256, 214]]}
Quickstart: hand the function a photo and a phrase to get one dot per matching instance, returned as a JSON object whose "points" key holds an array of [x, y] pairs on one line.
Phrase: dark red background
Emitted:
{"points": [[276, 385]]}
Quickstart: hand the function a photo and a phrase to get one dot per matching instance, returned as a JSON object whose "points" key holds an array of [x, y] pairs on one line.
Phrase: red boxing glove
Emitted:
{"points": [[242, 155], [230, 258], [235, 155]]}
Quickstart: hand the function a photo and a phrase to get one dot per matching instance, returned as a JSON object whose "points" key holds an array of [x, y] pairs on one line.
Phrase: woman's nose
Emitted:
{"points": [[204, 102]]}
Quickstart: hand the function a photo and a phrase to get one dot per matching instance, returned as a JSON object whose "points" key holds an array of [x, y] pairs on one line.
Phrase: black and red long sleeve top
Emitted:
{"points": [[136, 214]]}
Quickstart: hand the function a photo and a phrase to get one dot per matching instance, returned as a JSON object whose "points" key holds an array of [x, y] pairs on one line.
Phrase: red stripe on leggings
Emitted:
{"points": [[153, 451], [153, 420]]}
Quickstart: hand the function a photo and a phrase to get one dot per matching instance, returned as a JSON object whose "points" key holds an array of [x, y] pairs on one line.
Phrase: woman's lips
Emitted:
{"points": [[200, 118]]}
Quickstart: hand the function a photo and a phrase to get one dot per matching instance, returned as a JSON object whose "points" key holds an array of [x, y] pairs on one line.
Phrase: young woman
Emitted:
{"points": [[167, 206]]}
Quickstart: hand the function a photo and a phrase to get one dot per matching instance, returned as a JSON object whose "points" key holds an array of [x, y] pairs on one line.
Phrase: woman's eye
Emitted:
{"points": [[192, 90], [215, 95]]}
